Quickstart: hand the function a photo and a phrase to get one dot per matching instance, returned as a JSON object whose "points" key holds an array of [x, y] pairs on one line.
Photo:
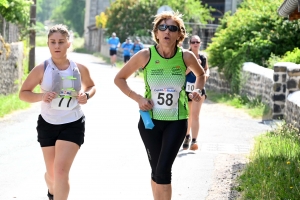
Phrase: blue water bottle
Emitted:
{"points": [[147, 119]]}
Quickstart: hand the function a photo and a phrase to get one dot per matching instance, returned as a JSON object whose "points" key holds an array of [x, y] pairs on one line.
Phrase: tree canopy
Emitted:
{"points": [[131, 17], [44, 9], [16, 11], [62, 12], [71, 14]]}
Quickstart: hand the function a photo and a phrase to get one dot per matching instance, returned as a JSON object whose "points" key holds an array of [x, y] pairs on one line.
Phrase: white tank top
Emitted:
{"points": [[54, 116]]}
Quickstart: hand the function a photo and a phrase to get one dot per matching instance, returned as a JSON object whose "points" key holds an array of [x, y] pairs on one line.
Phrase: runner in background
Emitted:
{"points": [[194, 107], [127, 46], [137, 46], [114, 43]]}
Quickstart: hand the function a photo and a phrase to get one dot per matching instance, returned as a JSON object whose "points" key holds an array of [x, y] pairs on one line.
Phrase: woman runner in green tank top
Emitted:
{"points": [[164, 68]]}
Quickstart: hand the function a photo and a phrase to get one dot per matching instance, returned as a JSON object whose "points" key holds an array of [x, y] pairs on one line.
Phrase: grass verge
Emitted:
{"points": [[11, 103], [274, 166], [254, 107]]}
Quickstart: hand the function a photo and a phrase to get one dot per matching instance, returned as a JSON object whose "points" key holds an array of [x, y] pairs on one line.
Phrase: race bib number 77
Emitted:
{"points": [[165, 98]]}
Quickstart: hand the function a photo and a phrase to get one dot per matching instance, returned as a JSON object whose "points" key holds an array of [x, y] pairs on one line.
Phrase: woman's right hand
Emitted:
{"points": [[145, 104], [48, 96]]}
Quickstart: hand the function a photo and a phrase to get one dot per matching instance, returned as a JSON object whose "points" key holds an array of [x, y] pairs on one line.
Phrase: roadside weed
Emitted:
{"points": [[274, 166]]}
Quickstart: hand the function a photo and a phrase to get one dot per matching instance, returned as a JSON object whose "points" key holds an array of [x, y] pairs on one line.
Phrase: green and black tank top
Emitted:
{"points": [[165, 85]]}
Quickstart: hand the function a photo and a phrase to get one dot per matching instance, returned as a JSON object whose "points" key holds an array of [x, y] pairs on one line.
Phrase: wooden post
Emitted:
{"points": [[31, 63]]}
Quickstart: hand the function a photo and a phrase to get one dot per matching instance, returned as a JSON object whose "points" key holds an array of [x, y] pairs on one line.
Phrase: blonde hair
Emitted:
{"points": [[175, 16], [60, 28]]}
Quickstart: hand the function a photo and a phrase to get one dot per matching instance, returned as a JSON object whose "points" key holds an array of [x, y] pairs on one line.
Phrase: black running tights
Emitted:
{"points": [[162, 144]]}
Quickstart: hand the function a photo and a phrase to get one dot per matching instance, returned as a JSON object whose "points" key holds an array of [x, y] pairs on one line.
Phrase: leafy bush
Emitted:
{"points": [[292, 56], [252, 34]]}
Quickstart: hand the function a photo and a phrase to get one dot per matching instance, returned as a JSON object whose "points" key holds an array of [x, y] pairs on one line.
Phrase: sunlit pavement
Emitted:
{"points": [[112, 163]]}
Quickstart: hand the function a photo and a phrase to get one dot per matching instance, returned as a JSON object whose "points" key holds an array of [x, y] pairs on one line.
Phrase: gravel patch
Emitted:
{"points": [[227, 168]]}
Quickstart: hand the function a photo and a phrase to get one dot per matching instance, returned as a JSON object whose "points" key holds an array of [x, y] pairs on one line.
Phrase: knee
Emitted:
{"points": [[61, 174], [195, 117], [162, 178]]}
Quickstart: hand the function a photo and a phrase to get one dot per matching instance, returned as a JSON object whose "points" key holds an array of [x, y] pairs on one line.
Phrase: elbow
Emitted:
{"points": [[115, 81], [21, 96]]}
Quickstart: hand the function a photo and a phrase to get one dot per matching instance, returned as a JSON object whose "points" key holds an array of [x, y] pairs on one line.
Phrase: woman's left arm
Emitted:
{"points": [[88, 88], [206, 69]]}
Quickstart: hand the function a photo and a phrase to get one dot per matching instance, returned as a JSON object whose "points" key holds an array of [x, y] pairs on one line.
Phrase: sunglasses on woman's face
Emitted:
{"points": [[195, 42], [163, 27]]}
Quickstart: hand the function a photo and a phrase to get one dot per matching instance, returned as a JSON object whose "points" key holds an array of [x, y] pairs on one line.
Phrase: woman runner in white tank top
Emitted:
{"points": [[65, 86]]}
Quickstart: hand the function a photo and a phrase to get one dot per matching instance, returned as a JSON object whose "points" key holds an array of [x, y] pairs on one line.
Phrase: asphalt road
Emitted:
{"points": [[112, 163]]}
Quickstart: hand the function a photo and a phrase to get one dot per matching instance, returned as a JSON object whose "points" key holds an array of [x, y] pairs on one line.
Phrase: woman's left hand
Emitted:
{"points": [[82, 98], [195, 96]]}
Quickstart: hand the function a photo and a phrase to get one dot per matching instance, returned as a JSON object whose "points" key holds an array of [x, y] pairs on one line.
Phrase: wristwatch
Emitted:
{"points": [[87, 95], [201, 92], [198, 91]]}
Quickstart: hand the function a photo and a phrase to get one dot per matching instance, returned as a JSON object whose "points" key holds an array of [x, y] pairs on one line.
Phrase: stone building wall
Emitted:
{"points": [[11, 67]]}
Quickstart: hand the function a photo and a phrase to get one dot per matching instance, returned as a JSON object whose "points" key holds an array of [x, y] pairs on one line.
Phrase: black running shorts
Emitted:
{"points": [[49, 133], [112, 52], [187, 94], [126, 58]]}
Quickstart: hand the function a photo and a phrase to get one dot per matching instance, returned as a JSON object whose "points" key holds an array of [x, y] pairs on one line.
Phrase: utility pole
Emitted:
{"points": [[31, 63]]}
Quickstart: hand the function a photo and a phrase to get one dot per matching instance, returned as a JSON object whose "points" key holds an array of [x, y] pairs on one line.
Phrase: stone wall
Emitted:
{"points": [[217, 81], [292, 111], [286, 81], [11, 67], [257, 81], [278, 88]]}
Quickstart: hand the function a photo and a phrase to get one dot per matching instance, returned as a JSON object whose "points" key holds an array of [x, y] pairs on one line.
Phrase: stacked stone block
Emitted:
{"points": [[292, 111], [279, 96], [11, 68]]}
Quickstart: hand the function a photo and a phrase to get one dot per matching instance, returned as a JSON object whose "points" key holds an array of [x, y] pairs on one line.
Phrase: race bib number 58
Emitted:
{"points": [[165, 98]]}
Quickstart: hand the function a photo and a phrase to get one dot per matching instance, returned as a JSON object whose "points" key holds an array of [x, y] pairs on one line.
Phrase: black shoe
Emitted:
{"points": [[186, 143], [50, 196]]}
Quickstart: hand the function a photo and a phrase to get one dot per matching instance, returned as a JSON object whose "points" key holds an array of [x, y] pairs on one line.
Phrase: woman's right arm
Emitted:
{"points": [[34, 78], [137, 61]]}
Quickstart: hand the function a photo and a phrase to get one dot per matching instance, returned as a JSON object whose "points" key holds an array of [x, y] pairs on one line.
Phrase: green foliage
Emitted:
{"points": [[70, 14], [273, 170], [252, 34], [126, 17], [292, 56], [44, 9], [16, 11], [10, 103], [272, 60], [130, 17], [41, 41]]}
